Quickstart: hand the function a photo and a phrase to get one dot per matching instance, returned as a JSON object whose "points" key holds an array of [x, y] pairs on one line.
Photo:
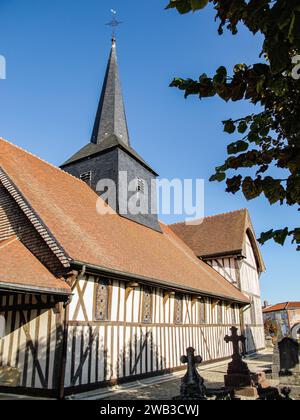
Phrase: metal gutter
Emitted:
{"points": [[32, 289]]}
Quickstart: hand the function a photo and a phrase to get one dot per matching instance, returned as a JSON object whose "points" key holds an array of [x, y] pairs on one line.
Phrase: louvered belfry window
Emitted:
{"points": [[140, 185], [102, 301], [178, 309], [147, 305], [86, 177]]}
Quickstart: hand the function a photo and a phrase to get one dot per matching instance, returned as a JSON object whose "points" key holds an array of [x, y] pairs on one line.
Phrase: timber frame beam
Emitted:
{"points": [[129, 288]]}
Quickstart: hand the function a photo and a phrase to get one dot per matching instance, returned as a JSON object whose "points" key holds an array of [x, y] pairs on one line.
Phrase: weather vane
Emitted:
{"points": [[114, 23]]}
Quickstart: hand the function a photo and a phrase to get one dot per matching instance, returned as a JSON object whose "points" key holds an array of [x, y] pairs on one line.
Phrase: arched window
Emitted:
{"points": [[2, 326], [102, 293]]}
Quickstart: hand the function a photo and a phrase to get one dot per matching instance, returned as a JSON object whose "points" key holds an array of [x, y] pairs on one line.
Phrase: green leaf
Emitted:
{"points": [[273, 190], [219, 176], [237, 147], [198, 4], [229, 126], [252, 189], [234, 184], [266, 236], [221, 75], [280, 236], [242, 128], [183, 6]]}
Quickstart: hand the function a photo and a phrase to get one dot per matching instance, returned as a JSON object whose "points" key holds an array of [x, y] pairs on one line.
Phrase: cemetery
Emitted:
{"points": [[271, 375]]}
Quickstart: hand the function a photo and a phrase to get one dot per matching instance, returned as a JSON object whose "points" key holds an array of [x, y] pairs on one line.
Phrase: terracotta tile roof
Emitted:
{"points": [[67, 206], [20, 270], [282, 307], [220, 235]]}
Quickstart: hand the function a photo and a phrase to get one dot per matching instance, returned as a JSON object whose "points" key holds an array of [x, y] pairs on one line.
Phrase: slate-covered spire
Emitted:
{"points": [[111, 117]]}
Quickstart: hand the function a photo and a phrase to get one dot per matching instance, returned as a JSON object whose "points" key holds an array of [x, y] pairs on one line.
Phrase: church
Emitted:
{"points": [[91, 298]]}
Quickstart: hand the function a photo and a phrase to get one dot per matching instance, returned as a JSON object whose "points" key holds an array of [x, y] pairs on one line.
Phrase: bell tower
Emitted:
{"points": [[109, 155]]}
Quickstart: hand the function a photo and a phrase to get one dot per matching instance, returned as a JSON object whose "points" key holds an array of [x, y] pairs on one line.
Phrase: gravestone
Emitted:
{"points": [[238, 374], [9, 377], [192, 384], [289, 361]]}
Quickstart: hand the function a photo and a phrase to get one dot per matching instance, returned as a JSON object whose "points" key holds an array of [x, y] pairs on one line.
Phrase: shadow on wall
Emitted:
{"points": [[27, 361], [89, 356]]}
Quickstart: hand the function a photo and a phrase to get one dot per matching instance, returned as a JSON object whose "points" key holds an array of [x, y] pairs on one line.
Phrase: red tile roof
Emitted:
{"points": [[220, 235], [67, 206], [20, 270], [282, 307]]}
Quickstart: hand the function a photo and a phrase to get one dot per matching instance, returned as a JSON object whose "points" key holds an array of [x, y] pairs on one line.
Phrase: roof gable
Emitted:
{"points": [[219, 236]]}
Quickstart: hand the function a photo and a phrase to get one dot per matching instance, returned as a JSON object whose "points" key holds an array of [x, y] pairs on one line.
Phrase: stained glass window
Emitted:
{"points": [[202, 312], [178, 309], [147, 305], [233, 314], [102, 301], [220, 313]]}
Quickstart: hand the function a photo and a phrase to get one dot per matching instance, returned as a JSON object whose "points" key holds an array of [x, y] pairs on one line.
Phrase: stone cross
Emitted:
{"points": [[238, 374], [235, 339], [191, 360], [192, 384]]}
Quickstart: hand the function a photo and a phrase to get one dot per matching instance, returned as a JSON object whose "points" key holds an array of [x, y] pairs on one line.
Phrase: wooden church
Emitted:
{"points": [[89, 299]]}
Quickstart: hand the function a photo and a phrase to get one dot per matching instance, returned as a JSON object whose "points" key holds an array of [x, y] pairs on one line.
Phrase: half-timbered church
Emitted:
{"points": [[90, 298]]}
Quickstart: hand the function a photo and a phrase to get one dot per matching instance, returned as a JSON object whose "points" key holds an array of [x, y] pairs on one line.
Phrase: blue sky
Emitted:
{"points": [[56, 53]]}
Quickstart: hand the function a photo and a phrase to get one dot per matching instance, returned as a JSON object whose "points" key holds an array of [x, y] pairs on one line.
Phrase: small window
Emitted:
{"points": [[202, 312], [140, 185], [86, 177], [178, 309], [2, 326], [101, 301], [147, 306]]}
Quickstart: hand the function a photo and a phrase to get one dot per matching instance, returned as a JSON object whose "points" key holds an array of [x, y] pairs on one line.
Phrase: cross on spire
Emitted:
{"points": [[114, 23]]}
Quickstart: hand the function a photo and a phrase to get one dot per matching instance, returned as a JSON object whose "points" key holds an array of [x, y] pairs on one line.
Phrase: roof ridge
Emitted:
{"points": [[41, 160], [193, 223]]}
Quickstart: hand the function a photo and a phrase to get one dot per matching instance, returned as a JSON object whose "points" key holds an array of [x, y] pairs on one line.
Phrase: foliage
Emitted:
{"points": [[269, 139], [271, 328]]}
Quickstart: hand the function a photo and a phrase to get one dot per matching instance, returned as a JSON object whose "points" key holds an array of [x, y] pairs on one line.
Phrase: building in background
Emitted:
{"points": [[287, 315]]}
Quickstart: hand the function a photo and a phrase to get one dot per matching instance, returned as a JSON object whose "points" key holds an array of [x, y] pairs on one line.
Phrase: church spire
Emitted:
{"points": [[110, 117]]}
